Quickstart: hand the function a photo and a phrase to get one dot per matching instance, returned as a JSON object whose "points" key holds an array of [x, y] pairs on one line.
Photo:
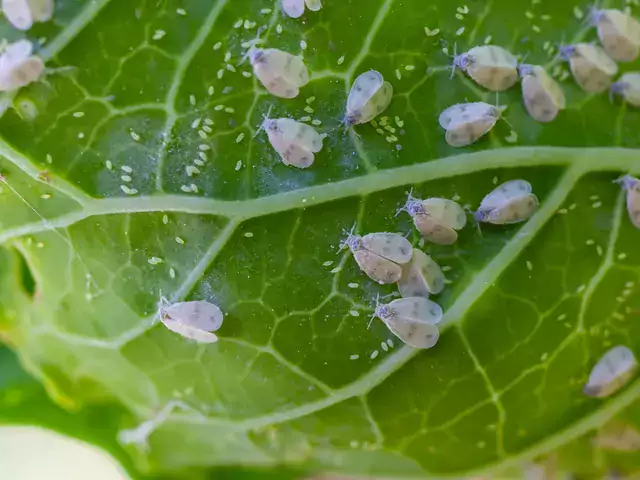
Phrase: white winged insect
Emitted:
{"points": [[437, 219], [295, 8], [612, 372], [618, 436], [18, 67], [369, 96], [281, 73], [511, 202], [23, 13], [465, 123], [413, 320], [380, 255], [542, 95], [619, 33], [592, 68], [194, 320], [632, 187], [421, 277], [628, 86], [490, 66], [295, 142]]}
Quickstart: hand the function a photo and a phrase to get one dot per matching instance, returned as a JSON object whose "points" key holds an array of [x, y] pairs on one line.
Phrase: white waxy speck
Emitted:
{"points": [[354, 357], [303, 45], [374, 354], [613, 371], [179, 240], [192, 99], [155, 261], [384, 346], [238, 165], [460, 31], [135, 136], [354, 313], [353, 285], [181, 11], [278, 29], [127, 190], [248, 234], [240, 137], [196, 123], [78, 114], [390, 342], [49, 159], [335, 270], [328, 263], [109, 165], [529, 265], [265, 11], [125, 178], [431, 33], [217, 46], [165, 219], [172, 272], [341, 60], [81, 135], [158, 35], [192, 320], [204, 147]]}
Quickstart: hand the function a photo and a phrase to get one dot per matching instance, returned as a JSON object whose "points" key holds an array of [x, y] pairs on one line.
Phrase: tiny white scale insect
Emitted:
{"points": [[465, 123], [591, 66], [628, 86], [18, 67], [542, 95], [22, 13], [193, 320], [281, 73], [413, 320], [421, 277], [380, 255], [490, 66], [437, 219], [619, 33], [295, 8], [370, 95], [612, 372], [295, 142], [511, 202], [632, 187]]}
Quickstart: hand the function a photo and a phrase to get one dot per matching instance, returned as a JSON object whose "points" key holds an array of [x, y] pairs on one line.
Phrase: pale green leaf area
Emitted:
{"points": [[297, 379]]}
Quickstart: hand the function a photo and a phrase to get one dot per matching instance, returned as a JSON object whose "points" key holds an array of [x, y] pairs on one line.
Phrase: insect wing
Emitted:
{"points": [[42, 10], [619, 34], [191, 333], [300, 133], [421, 276], [418, 309], [632, 186], [542, 95], [18, 12], [314, 5], [290, 152], [377, 268], [434, 230], [463, 134], [378, 104], [293, 8], [450, 213], [362, 91], [198, 314], [504, 193], [616, 367], [492, 67], [628, 85], [391, 246], [414, 333], [514, 211], [463, 113]]}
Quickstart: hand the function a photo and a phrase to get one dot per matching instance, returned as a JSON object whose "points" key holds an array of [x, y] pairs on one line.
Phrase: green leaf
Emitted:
{"points": [[529, 310]]}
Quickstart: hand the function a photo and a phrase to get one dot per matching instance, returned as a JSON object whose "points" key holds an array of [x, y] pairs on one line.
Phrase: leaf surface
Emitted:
{"points": [[297, 378]]}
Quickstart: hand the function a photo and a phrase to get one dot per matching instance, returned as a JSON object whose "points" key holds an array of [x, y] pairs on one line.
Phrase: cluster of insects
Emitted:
{"points": [[389, 258]]}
